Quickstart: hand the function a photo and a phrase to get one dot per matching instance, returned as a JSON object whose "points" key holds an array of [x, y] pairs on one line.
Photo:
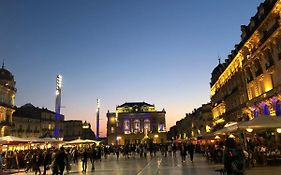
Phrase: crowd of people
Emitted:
{"points": [[232, 154], [59, 161]]}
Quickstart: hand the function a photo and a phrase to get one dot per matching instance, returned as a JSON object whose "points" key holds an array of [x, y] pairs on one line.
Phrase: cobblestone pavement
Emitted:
{"points": [[158, 165]]}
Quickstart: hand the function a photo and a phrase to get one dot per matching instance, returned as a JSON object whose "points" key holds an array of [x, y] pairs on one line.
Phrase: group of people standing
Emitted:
{"points": [[186, 148]]}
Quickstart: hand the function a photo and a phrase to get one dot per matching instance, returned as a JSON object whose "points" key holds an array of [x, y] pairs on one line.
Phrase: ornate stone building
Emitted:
{"points": [[74, 129], [134, 122], [193, 125], [31, 121], [248, 84], [7, 97]]}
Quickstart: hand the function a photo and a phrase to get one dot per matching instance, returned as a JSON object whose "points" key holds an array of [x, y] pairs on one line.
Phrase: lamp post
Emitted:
{"points": [[116, 128]]}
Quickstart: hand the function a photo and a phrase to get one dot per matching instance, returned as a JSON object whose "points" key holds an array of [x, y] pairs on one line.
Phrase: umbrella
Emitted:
{"points": [[81, 141], [228, 128], [12, 140], [262, 122], [47, 139]]}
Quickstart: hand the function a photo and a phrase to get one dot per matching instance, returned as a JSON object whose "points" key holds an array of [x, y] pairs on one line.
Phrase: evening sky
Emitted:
{"points": [[158, 51]]}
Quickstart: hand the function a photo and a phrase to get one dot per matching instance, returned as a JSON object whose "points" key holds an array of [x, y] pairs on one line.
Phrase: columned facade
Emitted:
{"points": [[133, 123]]}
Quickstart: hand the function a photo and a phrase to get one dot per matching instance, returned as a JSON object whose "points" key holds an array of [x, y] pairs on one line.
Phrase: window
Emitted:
{"points": [[161, 127], [147, 124], [249, 75], [126, 126], [269, 59], [258, 68], [111, 130], [136, 126]]}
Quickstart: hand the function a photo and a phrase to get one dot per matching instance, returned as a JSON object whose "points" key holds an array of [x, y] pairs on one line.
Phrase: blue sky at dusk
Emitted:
{"points": [[158, 51]]}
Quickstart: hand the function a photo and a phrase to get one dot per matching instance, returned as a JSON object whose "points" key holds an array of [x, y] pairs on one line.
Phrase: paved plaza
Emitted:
{"points": [[158, 165]]}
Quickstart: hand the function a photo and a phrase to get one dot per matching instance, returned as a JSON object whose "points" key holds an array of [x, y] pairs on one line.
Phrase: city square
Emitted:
{"points": [[140, 87]]}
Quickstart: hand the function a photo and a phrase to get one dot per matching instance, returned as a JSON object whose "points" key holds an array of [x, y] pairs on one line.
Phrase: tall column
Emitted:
{"points": [[98, 119], [58, 105]]}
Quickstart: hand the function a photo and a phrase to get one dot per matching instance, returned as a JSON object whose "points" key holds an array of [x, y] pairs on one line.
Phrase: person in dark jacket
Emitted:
{"points": [[183, 151], [190, 150], [61, 160], [85, 157], [233, 158]]}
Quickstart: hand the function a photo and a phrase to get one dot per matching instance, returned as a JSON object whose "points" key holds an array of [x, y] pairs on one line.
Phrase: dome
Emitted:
{"points": [[6, 75], [218, 69]]}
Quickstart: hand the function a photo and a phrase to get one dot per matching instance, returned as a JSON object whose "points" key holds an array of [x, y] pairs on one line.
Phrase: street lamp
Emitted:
{"points": [[116, 128], [249, 130], [156, 137]]}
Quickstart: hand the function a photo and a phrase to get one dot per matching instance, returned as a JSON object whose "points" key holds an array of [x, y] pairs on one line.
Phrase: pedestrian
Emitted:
{"points": [[117, 151], [233, 158], [191, 151], [1, 162], [61, 160], [54, 164], [85, 157], [47, 158], [183, 151], [93, 157]]}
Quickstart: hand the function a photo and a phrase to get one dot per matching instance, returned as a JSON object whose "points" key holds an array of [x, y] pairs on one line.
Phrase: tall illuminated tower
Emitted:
{"points": [[58, 105], [98, 119]]}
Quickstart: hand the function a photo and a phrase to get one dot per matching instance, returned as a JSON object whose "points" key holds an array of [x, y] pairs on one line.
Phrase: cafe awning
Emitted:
{"points": [[261, 122], [9, 140]]}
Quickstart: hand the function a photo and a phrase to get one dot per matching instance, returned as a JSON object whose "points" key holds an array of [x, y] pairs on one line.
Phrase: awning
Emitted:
{"points": [[261, 122]]}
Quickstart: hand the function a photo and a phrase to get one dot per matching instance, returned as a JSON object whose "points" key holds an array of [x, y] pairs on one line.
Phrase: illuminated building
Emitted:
{"points": [[248, 84], [78, 130], [134, 122], [30, 121], [7, 97]]}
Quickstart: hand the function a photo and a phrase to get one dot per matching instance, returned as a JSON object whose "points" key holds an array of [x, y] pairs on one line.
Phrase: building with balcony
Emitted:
{"points": [[195, 124], [30, 121], [248, 84], [7, 98], [134, 122]]}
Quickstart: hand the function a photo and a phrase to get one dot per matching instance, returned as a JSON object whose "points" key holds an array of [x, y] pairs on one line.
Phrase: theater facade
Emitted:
{"points": [[135, 123]]}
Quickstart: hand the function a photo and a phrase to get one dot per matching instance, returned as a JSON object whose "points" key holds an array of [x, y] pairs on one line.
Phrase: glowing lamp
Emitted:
{"points": [[231, 136], [249, 130], [278, 130], [156, 136], [217, 137]]}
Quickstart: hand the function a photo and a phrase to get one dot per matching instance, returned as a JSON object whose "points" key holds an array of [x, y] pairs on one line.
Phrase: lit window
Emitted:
{"points": [[161, 127], [147, 124], [126, 125], [137, 126]]}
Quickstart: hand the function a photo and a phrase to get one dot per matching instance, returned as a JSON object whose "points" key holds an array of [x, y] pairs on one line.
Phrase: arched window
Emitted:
{"points": [[266, 110], [269, 59], [147, 124], [136, 126], [126, 126], [249, 75], [256, 113], [161, 127], [258, 68], [278, 108]]}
